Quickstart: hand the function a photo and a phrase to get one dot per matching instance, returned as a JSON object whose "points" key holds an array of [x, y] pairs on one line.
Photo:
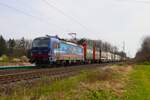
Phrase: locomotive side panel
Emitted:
{"points": [[68, 51]]}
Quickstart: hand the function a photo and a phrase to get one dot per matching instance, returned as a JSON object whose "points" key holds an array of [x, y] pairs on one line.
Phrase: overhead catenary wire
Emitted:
{"points": [[20, 11], [26, 4], [28, 14], [66, 15]]}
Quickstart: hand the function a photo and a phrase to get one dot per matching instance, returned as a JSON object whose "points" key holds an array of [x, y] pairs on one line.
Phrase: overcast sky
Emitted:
{"points": [[114, 21]]}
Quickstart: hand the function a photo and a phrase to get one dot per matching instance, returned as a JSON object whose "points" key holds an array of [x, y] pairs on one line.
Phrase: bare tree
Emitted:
{"points": [[144, 53]]}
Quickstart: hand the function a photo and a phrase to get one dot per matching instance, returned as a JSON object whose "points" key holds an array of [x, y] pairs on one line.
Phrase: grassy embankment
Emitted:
{"points": [[113, 83]]}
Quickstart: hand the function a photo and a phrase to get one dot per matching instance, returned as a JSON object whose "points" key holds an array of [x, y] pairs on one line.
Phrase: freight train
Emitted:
{"points": [[53, 50]]}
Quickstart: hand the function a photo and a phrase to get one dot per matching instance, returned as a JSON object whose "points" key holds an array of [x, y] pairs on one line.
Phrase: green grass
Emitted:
{"points": [[138, 87], [100, 95]]}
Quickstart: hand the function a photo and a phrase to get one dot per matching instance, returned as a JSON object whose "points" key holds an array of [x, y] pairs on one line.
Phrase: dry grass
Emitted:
{"points": [[111, 79]]}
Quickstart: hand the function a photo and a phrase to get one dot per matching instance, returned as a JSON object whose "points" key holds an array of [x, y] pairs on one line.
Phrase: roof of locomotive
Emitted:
{"points": [[63, 40], [41, 38]]}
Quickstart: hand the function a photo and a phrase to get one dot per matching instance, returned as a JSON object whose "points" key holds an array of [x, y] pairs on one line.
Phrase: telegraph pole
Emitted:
{"points": [[123, 49], [123, 46]]}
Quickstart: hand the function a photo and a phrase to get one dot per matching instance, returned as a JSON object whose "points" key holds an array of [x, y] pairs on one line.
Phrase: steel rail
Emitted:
{"points": [[30, 75], [54, 74]]}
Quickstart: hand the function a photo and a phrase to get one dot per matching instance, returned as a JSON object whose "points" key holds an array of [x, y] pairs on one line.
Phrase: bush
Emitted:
{"points": [[24, 59], [4, 58], [15, 60], [145, 63]]}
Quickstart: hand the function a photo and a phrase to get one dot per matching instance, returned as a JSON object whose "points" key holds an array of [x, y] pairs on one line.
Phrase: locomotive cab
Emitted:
{"points": [[42, 50]]}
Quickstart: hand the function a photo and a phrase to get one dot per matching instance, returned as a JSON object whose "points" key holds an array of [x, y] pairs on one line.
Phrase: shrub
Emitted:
{"points": [[146, 63], [4, 58], [143, 62], [15, 60], [1, 59], [24, 59]]}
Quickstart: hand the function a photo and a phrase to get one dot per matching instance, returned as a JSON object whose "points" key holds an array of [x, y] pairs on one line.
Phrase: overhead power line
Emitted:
{"points": [[27, 14], [20, 11], [26, 4], [66, 15]]}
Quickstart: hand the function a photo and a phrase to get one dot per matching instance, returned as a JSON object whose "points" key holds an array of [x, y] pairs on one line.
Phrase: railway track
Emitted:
{"points": [[24, 76], [12, 71], [11, 77], [8, 77]]}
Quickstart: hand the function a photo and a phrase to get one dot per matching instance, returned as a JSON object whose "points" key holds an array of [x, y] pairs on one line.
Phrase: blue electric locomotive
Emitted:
{"points": [[53, 50]]}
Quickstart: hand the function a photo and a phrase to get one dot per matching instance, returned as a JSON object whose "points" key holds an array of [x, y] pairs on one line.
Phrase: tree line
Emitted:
{"points": [[14, 48]]}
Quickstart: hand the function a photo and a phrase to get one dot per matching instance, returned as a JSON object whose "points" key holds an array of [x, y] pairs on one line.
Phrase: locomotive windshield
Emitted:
{"points": [[40, 42]]}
